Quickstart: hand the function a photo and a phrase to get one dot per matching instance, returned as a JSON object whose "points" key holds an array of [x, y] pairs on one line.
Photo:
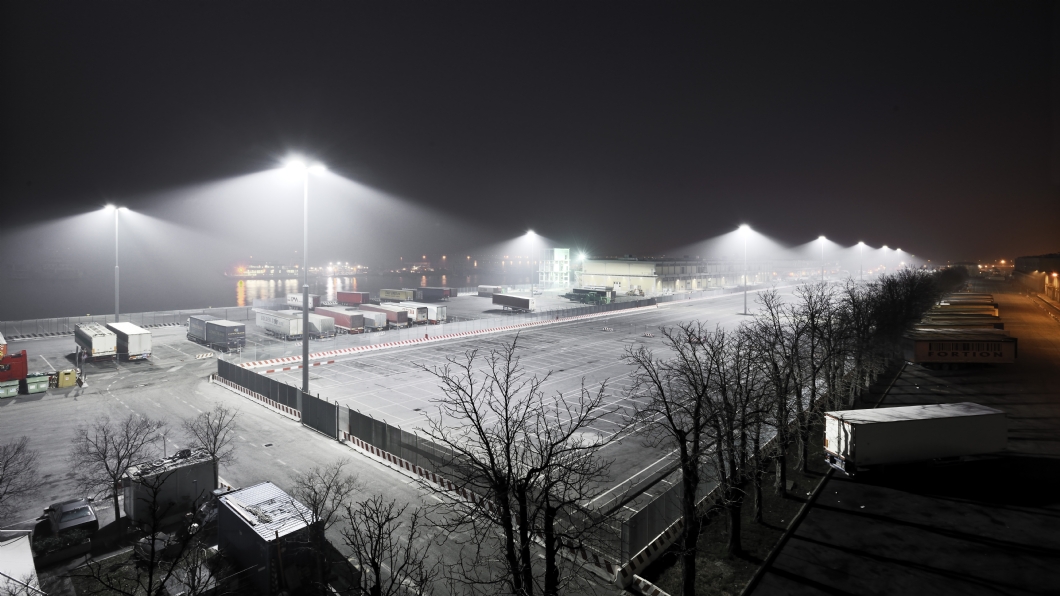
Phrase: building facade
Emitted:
{"points": [[661, 276], [553, 270], [1041, 274]]}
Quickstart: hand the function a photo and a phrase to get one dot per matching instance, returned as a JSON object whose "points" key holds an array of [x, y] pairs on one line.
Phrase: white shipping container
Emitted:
{"points": [[279, 324], [319, 325], [96, 340], [856, 439], [435, 312], [134, 342], [417, 313], [374, 320]]}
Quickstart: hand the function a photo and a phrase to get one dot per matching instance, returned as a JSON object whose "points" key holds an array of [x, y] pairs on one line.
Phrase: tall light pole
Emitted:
{"points": [[116, 285], [533, 268], [861, 265], [298, 166], [744, 231], [822, 258]]}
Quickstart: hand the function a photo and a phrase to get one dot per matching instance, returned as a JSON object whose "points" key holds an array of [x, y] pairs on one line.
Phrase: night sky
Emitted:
{"points": [[622, 128]]}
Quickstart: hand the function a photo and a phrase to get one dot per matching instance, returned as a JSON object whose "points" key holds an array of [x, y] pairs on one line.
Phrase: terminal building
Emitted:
{"points": [[654, 276], [1041, 274]]}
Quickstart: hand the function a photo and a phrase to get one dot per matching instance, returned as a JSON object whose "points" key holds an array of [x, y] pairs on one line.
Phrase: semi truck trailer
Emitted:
{"points": [[856, 440], [281, 325], [226, 335], [197, 327], [437, 293], [433, 313], [396, 316], [396, 295], [96, 340], [352, 298], [347, 319], [487, 291], [417, 312], [295, 301], [14, 367], [959, 346], [319, 325], [134, 342], [374, 321], [516, 303]]}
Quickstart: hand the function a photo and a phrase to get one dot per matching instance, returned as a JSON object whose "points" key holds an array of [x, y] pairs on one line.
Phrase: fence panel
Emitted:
{"points": [[320, 415]]}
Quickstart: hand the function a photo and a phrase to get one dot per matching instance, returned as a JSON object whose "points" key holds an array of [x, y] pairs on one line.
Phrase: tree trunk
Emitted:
{"points": [[782, 472], [735, 529], [377, 585], [692, 529], [509, 540], [551, 552], [117, 510], [525, 538], [216, 476], [756, 470]]}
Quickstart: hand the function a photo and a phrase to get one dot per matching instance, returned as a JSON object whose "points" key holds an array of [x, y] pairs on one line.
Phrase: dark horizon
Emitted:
{"points": [[624, 129]]}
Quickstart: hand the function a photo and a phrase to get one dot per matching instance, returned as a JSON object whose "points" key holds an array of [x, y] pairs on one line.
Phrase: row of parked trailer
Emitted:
{"points": [[113, 340], [962, 329]]}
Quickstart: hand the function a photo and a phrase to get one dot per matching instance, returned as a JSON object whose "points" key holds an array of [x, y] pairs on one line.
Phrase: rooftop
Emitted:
{"points": [[268, 510], [184, 457], [913, 413]]}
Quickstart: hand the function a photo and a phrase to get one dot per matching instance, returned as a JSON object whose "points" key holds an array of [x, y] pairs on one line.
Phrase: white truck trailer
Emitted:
{"points": [[417, 312], [856, 440], [374, 321], [96, 340], [434, 313], [319, 325], [134, 342], [512, 302], [281, 325]]}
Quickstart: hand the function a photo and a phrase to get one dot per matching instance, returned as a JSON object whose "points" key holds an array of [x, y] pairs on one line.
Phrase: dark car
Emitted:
{"points": [[76, 514]]}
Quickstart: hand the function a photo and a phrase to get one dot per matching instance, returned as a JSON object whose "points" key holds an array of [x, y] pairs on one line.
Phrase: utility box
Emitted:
{"points": [[857, 439], [168, 488], [66, 378], [9, 388], [36, 382]]}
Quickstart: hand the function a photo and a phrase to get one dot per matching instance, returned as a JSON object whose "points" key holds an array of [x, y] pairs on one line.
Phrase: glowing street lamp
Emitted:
{"points": [[745, 230], [298, 166]]}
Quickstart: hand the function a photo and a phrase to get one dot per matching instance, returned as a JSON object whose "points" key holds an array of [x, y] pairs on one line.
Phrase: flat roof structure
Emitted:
{"points": [[267, 510]]}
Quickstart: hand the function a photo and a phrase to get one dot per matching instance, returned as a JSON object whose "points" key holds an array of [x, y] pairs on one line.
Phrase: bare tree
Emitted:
{"points": [[18, 472], [385, 548], [213, 431], [673, 409], [104, 450], [27, 585], [505, 443], [325, 491]]}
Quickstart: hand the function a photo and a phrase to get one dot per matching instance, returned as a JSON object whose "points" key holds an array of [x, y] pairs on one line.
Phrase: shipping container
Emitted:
{"points": [[396, 295], [280, 325], [374, 321], [295, 301], [348, 319], [438, 293], [487, 291], [352, 298], [134, 342], [96, 340], [959, 346], [14, 366], [516, 303], [395, 315], [169, 486], [197, 327], [226, 335], [858, 439], [417, 312], [433, 313], [319, 325]]}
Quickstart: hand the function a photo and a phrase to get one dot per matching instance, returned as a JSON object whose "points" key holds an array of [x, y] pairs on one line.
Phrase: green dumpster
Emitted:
{"points": [[8, 388], [35, 383]]}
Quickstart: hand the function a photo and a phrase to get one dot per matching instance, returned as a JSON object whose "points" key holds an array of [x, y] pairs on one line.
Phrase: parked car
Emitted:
{"points": [[166, 547], [75, 514]]}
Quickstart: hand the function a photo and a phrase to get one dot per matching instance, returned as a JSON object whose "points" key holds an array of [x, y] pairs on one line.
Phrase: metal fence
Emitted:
{"points": [[65, 325], [276, 391], [320, 415]]}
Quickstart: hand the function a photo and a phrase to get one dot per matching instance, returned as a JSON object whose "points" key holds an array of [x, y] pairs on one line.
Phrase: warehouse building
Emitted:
{"points": [[661, 276], [1041, 274]]}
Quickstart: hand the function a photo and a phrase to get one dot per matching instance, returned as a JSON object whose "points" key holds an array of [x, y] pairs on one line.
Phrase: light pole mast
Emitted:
{"points": [[861, 265], [744, 229], [822, 258], [305, 280], [116, 309]]}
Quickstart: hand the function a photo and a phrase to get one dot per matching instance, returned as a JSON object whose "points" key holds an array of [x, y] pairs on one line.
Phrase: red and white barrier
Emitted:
{"points": [[275, 405]]}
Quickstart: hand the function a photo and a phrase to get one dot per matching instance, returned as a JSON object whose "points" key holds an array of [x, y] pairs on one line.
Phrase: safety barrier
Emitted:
{"points": [[281, 408]]}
